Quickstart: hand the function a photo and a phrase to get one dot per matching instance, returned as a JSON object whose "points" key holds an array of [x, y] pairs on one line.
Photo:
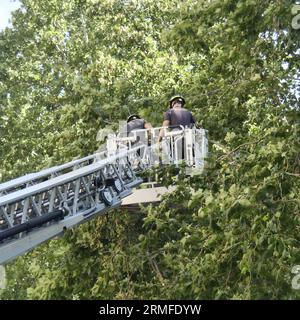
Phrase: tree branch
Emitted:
{"points": [[293, 174], [237, 148]]}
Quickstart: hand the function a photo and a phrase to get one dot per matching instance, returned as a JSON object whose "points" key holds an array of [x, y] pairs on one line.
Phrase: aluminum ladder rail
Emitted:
{"points": [[49, 173], [32, 215]]}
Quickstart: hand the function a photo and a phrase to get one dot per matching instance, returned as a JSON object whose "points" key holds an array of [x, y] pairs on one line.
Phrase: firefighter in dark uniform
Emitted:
{"points": [[177, 116], [134, 122]]}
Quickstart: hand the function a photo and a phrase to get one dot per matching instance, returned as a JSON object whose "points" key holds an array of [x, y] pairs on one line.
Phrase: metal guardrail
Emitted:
{"points": [[178, 144]]}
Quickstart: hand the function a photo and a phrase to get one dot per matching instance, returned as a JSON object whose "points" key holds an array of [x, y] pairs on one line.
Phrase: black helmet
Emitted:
{"points": [[177, 97], [133, 117]]}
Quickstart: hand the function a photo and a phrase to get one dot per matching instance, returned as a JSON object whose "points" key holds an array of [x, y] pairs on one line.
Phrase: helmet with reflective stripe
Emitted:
{"points": [[133, 117], [174, 98]]}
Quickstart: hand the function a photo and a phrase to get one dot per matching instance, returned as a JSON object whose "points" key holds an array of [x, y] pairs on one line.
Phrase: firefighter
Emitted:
{"points": [[136, 128], [177, 115], [134, 122]]}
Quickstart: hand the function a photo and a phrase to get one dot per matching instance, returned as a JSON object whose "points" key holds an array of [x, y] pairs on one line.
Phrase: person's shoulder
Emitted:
{"points": [[187, 111], [139, 121], [167, 114]]}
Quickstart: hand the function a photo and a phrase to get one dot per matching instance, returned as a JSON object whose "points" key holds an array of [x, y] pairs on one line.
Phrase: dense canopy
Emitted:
{"points": [[69, 69]]}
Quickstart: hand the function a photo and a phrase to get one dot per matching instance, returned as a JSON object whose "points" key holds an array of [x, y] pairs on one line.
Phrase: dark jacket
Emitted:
{"points": [[136, 124], [179, 116]]}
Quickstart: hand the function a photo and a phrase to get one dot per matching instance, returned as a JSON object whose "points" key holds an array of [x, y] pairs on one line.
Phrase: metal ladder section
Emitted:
{"points": [[39, 206], [46, 174]]}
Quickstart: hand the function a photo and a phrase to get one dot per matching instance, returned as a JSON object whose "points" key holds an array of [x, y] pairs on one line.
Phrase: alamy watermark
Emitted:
{"points": [[2, 277], [296, 278], [296, 16]]}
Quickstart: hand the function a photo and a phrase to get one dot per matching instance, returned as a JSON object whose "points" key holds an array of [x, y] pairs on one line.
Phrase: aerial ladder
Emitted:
{"points": [[40, 206]]}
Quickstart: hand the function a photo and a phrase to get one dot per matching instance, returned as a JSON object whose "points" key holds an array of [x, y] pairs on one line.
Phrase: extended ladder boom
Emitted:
{"points": [[40, 206], [46, 174]]}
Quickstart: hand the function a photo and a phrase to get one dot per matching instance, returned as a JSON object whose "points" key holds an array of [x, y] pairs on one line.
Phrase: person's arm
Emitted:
{"points": [[166, 123], [147, 125], [193, 120]]}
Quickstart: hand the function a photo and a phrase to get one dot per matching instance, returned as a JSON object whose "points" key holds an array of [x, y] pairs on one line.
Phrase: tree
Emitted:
{"points": [[232, 233]]}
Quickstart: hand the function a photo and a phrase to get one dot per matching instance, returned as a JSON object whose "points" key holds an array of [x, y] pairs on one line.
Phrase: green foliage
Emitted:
{"points": [[68, 70]]}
